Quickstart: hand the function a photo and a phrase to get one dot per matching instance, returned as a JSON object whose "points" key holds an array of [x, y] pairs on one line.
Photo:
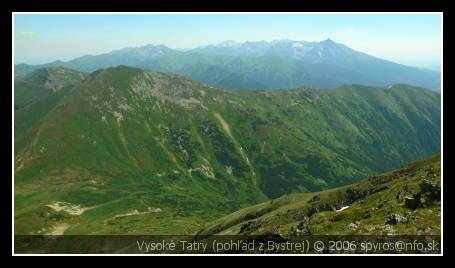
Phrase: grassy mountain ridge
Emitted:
{"points": [[132, 151], [42, 82], [400, 202], [37, 93]]}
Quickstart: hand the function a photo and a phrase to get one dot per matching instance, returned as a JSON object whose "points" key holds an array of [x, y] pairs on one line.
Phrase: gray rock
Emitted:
{"points": [[303, 229], [396, 218], [250, 226], [427, 186], [353, 226], [430, 191]]}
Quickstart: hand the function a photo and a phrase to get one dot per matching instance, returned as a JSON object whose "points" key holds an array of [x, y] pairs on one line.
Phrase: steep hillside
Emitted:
{"points": [[402, 202], [131, 151], [37, 93], [43, 82]]}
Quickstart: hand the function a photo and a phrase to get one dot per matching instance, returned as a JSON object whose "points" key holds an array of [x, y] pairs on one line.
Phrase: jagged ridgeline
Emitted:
{"points": [[125, 150], [280, 64]]}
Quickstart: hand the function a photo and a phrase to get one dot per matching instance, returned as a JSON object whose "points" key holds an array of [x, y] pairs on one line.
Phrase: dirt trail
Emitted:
{"points": [[133, 213]]}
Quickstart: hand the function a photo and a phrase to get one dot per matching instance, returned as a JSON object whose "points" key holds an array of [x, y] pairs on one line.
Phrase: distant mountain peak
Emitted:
{"points": [[148, 47], [328, 41], [229, 43], [297, 45]]}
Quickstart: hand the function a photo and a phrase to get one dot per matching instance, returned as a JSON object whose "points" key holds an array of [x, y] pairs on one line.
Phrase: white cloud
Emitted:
{"points": [[27, 34], [350, 30]]}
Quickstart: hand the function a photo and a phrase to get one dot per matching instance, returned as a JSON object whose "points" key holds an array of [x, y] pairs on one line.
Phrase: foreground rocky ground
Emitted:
{"points": [[401, 202]]}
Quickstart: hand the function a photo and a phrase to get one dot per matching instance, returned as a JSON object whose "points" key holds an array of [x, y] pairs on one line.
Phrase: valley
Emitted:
{"points": [[124, 150]]}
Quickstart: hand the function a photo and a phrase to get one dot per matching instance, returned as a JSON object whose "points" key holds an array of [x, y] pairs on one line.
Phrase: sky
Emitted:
{"points": [[412, 39]]}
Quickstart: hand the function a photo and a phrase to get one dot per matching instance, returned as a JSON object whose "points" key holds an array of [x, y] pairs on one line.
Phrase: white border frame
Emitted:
{"points": [[238, 13]]}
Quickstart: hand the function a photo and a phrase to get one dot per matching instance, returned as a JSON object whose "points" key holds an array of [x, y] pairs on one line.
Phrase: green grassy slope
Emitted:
{"points": [[130, 151], [41, 83], [401, 202]]}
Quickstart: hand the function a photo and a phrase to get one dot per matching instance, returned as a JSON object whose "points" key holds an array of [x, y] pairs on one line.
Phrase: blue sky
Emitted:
{"points": [[413, 39]]}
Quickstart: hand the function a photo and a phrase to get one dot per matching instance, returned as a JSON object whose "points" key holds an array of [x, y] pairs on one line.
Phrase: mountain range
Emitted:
{"points": [[280, 64], [124, 150]]}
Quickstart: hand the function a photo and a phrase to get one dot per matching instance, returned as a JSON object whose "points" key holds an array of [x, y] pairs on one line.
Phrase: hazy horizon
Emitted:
{"points": [[409, 39]]}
